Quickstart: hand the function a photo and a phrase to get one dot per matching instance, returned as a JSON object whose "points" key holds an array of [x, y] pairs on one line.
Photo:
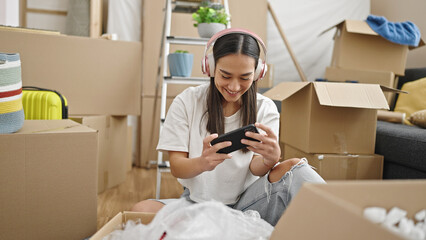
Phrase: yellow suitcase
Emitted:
{"points": [[42, 103]]}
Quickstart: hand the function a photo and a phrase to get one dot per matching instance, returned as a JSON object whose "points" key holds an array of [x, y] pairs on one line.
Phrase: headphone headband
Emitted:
{"points": [[234, 30], [207, 64]]}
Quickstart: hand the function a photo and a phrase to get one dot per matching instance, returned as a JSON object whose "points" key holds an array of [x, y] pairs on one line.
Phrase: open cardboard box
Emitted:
{"points": [[357, 46], [327, 117], [334, 211], [48, 181], [330, 211]]}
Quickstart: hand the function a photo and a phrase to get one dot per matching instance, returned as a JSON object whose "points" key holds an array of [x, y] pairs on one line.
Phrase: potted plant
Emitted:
{"points": [[210, 19], [180, 63]]}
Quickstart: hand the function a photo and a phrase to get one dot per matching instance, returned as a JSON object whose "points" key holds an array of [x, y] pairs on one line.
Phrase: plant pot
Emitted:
{"points": [[180, 64], [207, 30]]}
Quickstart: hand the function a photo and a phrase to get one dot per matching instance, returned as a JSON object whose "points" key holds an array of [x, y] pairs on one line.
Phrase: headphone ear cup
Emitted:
{"points": [[210, 65], [264, 70], [260, 71], [204, 69]]}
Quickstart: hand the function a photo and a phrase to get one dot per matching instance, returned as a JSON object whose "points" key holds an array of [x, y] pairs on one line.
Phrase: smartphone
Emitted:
{"points": [[235, 137]]}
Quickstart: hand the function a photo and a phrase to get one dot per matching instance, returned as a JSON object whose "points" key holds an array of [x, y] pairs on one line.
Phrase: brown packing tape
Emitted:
{"points": [[351, 166], [340, 142]]}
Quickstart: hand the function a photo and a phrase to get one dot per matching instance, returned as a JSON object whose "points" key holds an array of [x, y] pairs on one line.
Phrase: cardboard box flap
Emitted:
{"points": [[389, 89], [358, 26], [52, 126], [421, 43], [284, 90], [354, 95]]}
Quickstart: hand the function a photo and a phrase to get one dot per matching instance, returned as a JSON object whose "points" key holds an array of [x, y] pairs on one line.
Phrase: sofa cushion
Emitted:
{"points": [[402, 145]]}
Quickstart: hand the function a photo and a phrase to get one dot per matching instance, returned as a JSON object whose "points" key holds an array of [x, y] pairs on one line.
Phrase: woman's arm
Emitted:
{"points": [[268, 148], [183, 167]]}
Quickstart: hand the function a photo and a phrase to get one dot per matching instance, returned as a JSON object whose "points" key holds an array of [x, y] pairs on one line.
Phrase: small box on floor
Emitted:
{"points": [[48, 181], [341, 166]]}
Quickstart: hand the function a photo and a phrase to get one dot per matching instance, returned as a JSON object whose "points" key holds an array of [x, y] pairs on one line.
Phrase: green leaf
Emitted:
{"points": [[210, 15]]}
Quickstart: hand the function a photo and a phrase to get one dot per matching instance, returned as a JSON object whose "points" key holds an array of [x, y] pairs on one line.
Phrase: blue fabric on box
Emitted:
{"points": [[405, 33]]}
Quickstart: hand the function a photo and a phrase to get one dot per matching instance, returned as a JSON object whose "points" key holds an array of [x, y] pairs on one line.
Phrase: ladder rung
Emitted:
{"points": [[165, 164], [185, 6], [187, 40]]}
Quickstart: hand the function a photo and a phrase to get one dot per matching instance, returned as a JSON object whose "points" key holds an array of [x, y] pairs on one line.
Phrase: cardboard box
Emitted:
{"points": [[150, 130], [48, 181], [335, 210], [357, 46], [113, 148], [387, 79], [97, 76], [341, 166], [326, 117]]}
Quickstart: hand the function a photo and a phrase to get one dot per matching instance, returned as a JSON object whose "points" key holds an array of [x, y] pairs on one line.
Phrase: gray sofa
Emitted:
{"points": [[403, 146]]}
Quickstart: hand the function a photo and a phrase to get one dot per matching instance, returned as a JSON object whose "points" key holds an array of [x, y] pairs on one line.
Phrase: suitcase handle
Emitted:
{"points": [[64, 108]]}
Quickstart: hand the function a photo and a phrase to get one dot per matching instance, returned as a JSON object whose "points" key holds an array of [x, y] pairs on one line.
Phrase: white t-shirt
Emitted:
{"points": [[184, 130]]}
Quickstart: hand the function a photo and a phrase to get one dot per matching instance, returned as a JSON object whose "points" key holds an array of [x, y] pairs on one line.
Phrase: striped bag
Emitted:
{"points": [[11, 110]]}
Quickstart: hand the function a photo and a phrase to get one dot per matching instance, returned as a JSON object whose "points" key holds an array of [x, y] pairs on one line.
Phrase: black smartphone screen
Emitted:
{"points": [[235, 137]]}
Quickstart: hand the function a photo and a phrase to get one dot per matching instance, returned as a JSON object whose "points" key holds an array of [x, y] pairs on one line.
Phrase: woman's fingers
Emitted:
{"points": [[208, 139], [267, 130]]}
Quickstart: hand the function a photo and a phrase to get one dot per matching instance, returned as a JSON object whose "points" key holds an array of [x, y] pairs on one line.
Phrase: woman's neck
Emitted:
{"points": [[230, 109]]}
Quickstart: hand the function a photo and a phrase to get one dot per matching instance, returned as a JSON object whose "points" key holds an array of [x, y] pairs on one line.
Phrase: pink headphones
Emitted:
{"points": [[208, 64]]}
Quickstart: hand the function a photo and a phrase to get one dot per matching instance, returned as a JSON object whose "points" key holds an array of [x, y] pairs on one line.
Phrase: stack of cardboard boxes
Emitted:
{"points": [[52, 170], [333, 124]]}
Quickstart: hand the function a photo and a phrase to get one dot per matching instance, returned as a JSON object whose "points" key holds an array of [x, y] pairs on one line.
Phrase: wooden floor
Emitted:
{"points": [[139, 185]]}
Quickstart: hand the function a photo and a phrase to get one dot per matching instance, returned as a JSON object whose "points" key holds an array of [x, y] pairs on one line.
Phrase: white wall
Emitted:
{"points": [[400, 11], [302, 22], [9, 12]]}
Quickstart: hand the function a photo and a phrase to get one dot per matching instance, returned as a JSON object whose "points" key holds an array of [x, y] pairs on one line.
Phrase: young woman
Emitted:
{"points": [[251, 178]]}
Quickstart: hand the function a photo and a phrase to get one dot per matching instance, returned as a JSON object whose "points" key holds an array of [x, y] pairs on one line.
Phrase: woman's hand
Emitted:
{"points": [[209, 159], [268, 146]]}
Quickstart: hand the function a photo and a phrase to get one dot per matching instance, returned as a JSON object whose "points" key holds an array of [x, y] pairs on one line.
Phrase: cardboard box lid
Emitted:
{"points": [[354, 95], [52, 126], [362, 27]]}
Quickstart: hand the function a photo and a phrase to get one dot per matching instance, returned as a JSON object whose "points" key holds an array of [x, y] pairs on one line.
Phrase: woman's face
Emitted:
{"points": [[234, 75]]}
